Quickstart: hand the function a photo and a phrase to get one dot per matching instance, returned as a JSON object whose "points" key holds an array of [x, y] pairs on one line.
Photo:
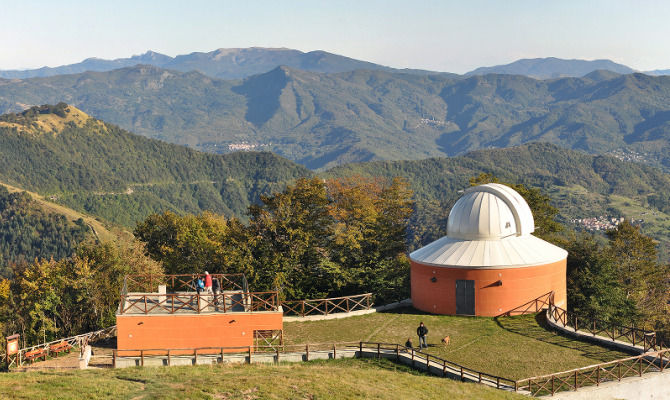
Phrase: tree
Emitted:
{"points": [[593, 287], [645, 281]]}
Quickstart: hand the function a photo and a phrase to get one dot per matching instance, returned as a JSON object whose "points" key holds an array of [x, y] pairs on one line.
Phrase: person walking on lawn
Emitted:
{"points": [[422, 331]]}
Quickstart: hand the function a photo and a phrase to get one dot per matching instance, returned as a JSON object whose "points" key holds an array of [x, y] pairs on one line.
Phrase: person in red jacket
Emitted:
{"points": [[208, 282]]}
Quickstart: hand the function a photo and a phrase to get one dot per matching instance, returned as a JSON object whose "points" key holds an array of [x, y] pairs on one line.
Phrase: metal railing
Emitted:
{"points": [[328, 306]]}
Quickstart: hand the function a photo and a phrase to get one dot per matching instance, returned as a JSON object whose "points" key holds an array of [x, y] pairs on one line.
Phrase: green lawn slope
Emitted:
{"points": [[340, 379]]}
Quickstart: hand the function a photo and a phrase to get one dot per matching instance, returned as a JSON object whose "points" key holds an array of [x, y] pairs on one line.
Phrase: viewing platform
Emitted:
{"points": [[167, 312], [176, 294]]}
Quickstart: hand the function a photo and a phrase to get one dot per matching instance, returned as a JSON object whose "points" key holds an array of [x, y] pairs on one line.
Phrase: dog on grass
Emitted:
{"points": [[446, 340]]}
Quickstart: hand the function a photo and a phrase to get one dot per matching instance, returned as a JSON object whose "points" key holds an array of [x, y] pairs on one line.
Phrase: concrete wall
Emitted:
{"points": [[519, 285], [183, 331]]}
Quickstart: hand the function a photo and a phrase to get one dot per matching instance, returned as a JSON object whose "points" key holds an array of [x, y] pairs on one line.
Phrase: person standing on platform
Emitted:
{"points": [[216, 288], [422, 331], [208, 283], [199, 285]]}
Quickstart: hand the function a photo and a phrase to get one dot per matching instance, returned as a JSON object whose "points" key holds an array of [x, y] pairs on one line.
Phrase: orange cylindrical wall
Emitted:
{"points": [[188, 331], [519, 285]]}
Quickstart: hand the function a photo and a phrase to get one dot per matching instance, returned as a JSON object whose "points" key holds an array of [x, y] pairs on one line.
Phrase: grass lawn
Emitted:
{"points": [[511, 347], [338, 379]]}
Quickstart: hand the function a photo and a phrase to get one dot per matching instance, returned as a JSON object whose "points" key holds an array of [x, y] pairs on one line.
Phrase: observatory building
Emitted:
{"points": [[489, 262]]}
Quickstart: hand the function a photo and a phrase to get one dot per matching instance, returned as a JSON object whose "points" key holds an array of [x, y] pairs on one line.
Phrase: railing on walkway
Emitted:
{"points": [[344, 304], [18, 359], [181, 283], [534, 306], [224, 353], [448, 367], [172, 303], [596, 374], [594, 326]]}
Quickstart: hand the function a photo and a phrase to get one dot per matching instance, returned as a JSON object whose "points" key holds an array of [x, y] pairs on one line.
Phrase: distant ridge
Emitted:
{"points": [[551, 67], [220, 63]]}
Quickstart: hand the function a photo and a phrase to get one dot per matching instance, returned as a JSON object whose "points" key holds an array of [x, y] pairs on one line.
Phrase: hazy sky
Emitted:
{"points": [[454, 36]]}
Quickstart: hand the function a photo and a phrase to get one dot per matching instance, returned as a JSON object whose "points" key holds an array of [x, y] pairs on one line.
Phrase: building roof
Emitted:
{"points": [[488, 212], [490, 226]]}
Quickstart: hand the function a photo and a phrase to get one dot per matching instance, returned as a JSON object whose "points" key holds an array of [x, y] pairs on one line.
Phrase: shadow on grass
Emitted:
{"points": [[537, 328], [405, 310]]}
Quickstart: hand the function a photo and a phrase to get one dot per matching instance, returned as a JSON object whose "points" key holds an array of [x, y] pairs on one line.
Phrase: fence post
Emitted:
{"points": [[347, 302], [497, 380], [444, 368], [326, 305], [552, 385], [661, 363], [334, 352], [427, 363], [249, 354], [461, 374], [360, 349], [277, 354], [619, 373], [639, 365], [302, 310], [169, 358], [195, 356], [412, 357], [397, 353], [114, 358], [142, 358], [480, 377], [598, 377], [307, 352], [576, 384]]}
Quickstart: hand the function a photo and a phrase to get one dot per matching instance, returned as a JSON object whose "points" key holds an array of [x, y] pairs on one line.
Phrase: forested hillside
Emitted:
{"points": [[580, 185], [103, 170], [28, 232], [322, 120]]}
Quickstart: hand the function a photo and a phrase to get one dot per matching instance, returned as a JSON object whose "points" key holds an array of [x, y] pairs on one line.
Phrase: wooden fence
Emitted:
{"points": [[18, 359], [594, 326], [346, 304], [534, 306], [596, 374], [180, 283], [223, 353], [447, 366], [172, 303]]}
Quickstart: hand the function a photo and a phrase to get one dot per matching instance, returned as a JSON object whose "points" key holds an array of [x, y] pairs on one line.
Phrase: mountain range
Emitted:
{"points": [[322, 120], [551, 67], [238, 63], [220, 63]]}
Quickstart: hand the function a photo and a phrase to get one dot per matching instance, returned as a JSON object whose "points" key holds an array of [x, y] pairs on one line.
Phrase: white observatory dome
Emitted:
{"points": [[489, 212], [490, 226]]}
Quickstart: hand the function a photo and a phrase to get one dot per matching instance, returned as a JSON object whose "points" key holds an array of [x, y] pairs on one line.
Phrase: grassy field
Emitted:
{"points": [[512, 347], [340, 379]]}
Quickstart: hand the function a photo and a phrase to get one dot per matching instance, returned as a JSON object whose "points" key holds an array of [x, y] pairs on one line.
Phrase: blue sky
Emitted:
{"points": [[454, 36]]}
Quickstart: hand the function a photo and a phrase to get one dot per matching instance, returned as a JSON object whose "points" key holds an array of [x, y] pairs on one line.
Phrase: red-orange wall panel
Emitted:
{"points": [[519, 285], [187, 331]]}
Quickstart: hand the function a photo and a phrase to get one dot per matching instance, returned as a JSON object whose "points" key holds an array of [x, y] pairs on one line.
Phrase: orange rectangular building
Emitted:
{"points": [[179, 319]]}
